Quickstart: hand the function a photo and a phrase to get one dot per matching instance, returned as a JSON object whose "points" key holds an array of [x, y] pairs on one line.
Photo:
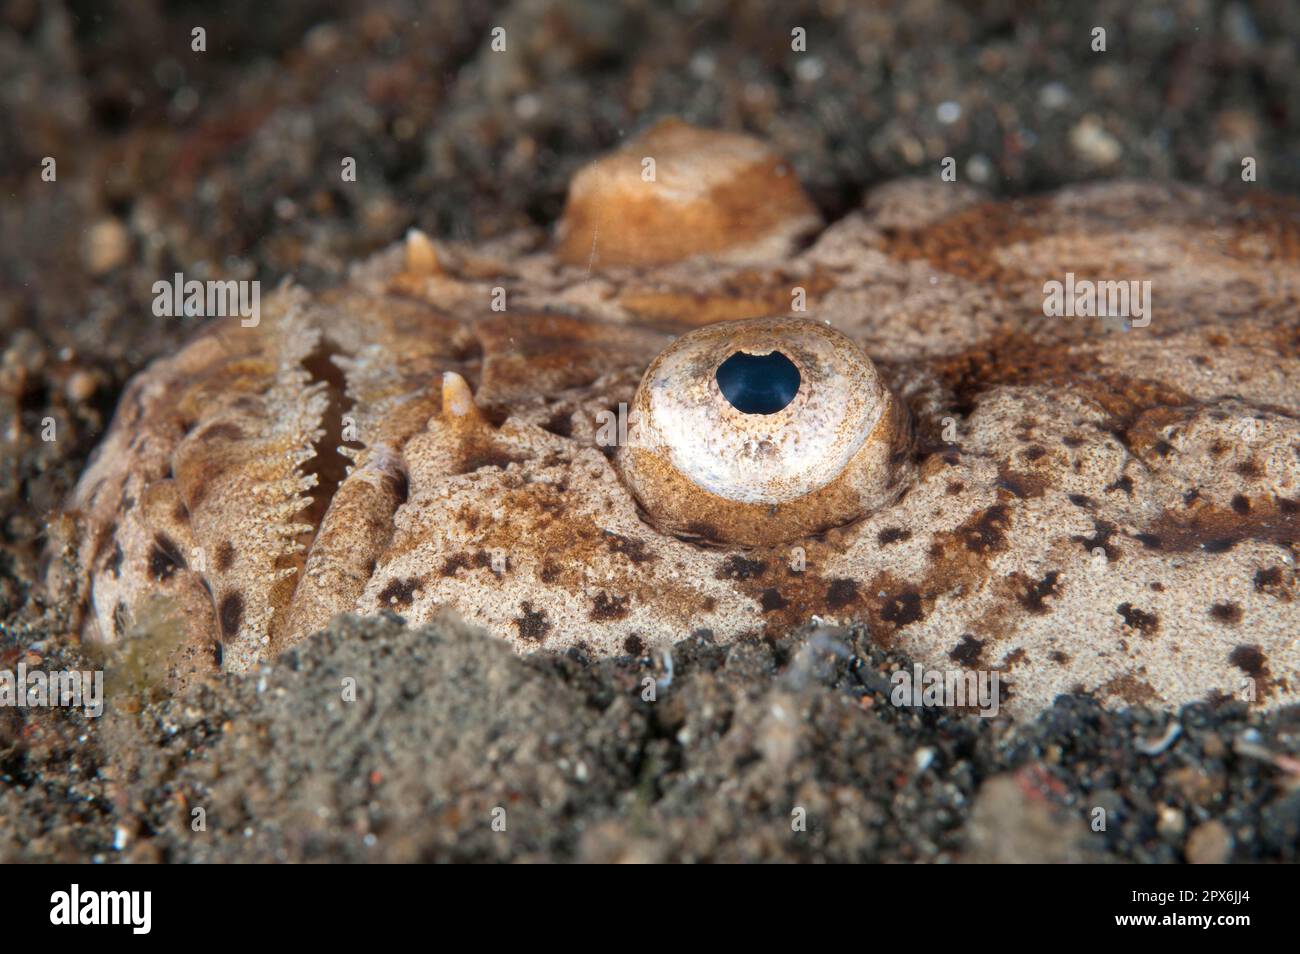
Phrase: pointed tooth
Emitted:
{"points": [[458, 405], [421, 257]]}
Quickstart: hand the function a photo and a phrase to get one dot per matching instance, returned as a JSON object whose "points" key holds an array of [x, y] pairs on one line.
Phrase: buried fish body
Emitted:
{"points": [[1082, 506]]}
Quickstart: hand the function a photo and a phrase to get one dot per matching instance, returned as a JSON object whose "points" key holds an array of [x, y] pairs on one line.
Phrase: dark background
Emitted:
{"points": [[228, 160]]}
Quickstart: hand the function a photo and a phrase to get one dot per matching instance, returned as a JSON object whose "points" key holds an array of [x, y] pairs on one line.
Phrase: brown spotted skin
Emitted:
{"points": [[1087, 508]]}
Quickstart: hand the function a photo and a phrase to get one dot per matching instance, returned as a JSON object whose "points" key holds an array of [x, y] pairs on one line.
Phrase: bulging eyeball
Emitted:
{"points": [[762, 431], [677, 191]]}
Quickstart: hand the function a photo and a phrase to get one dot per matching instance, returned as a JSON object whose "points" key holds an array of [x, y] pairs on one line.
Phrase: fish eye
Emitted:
{"points": [[762, 431]]}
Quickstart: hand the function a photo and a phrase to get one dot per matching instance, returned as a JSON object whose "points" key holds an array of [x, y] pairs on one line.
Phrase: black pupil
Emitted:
{"points": [[758, 383]]}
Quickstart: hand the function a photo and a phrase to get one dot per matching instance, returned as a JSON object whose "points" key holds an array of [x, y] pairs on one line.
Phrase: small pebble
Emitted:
{"points": [[82, 386], [979, 169], [1090, 140], [1209, 844], [1054, 96], [1171, 823], [107, 245]]}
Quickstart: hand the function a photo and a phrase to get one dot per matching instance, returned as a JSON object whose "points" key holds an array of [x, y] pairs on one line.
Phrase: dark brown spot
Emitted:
{"points": [[1250, 659], [1103, 531], [1145, 623], [1034, 592], [479, 560], [605, 608], [740, 568], [986, 532], [893, 535], [1240, 504], [230, 613], [1269, 580], [1229, 614], [771, 600], [533, 626], [225, 555], [634, 550], [633, 645], [968, 651], [1130, 688], [841, 593], [399, 592], [902, 609], [1020, 485]]}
